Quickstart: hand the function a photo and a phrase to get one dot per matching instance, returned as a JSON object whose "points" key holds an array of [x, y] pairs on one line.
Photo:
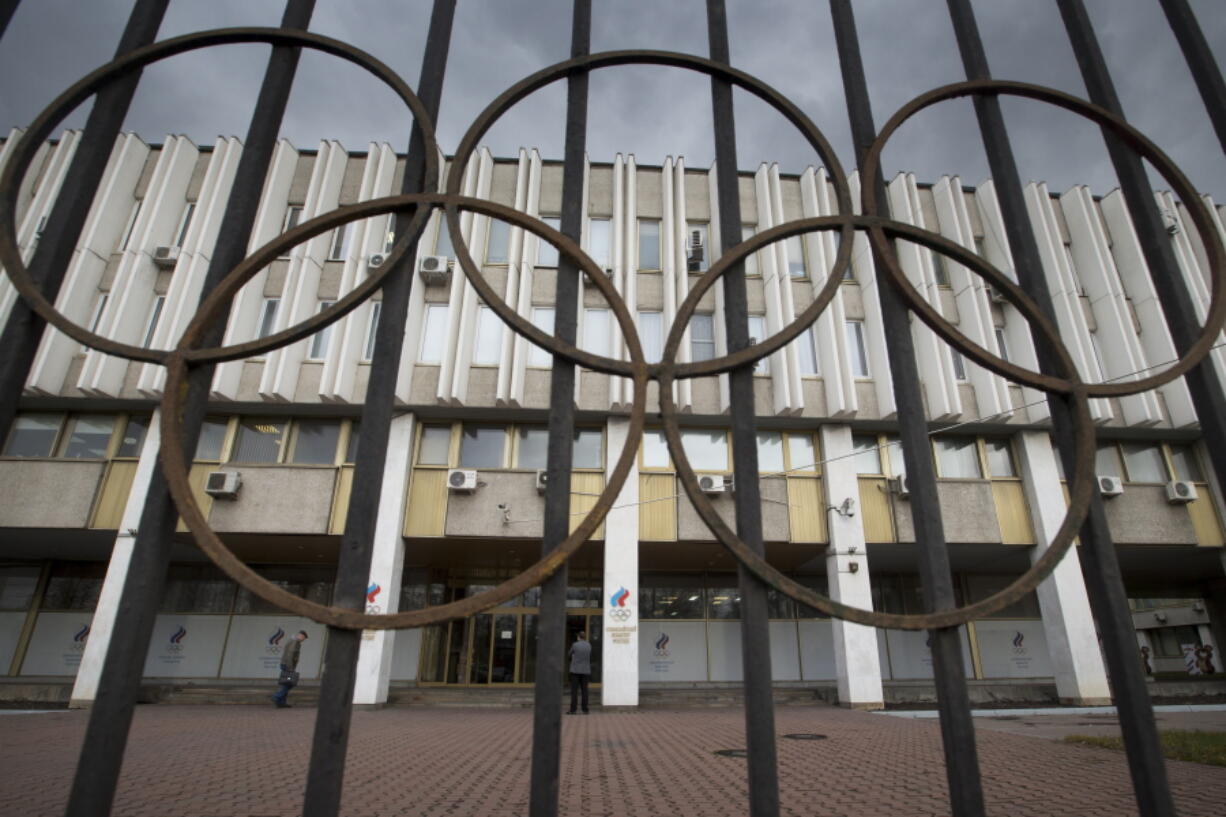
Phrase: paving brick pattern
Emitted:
{"points": [[207, 761]]}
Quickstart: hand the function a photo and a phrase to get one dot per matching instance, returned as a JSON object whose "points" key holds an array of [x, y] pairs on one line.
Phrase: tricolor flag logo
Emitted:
{"points": [[1018, 639], [662, 642], [177, 638], [619, 598], [371, 592], [82, 634], [275, 638]]}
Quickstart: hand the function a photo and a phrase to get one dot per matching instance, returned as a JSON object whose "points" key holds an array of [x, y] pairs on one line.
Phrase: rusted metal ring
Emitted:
{"points": [[1215, 316], [42, 126], [606, 59], [176, 467], [1082, 480]]}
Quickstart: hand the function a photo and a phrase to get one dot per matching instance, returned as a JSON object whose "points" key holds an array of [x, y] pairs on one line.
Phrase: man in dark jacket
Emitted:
{"points": [[580, 671], [289, 664]]}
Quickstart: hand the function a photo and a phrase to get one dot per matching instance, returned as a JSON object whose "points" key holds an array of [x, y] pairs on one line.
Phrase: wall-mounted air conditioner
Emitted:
{"points": [[1109, 486], [712, 484], [460, 480], [1179, 492], [166, 257], [901, 486], [434, 270], [542, 479], [376, 260], [223, 484]]}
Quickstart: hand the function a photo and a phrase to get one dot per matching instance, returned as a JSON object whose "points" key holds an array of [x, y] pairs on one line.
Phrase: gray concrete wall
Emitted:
{"points": [[28, 485], [1143, 516], [968, 513], [277, 499], [477, 514]]}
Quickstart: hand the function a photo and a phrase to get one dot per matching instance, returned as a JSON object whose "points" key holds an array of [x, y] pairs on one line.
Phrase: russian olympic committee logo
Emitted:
{"points": [[176, 640], [80, 637], [662, 646], [371, 592], [1018, 640], [618, 611], [274, 642]]}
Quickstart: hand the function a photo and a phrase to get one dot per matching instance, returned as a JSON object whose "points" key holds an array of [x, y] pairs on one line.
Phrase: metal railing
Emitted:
{"points": [[190, 364]]}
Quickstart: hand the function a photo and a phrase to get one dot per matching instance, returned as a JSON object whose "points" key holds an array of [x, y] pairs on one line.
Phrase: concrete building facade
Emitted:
{"points": [[655, 591]]}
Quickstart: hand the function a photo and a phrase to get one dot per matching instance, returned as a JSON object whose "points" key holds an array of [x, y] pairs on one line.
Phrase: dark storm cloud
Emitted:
{"points": [[651, 112]]}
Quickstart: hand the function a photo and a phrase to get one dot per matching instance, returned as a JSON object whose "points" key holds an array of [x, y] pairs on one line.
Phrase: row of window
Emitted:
{"points": [[478, 445]]}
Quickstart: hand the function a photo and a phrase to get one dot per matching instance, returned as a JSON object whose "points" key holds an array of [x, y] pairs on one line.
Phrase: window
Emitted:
{"points": [[131, 226], [751, 261], [293, 215], [74, 586], [588, 449], [1000, 458], [197, 589], [1187, 464], [1143, 462], [867, 457], [677, 597], [322, 339], [655, 450], [697, 247], [340, 242], [185, 223], [259, 440], [1107, 461], [649, 244], [542, 318], [959, 363], [723, 603], [898, 464], [979, 587], [1002, 348], [546, 253], [770, 452], [498, 243], [435, 445], [802, 453], [796, 257], [133, 439], [596, 331], [806, 348], [531, 447], [757, 333], [442, 240], [33, 435], [434, 334], [351, 449], [651, 330], [268, 317], [1098, 356], [856, 352], [702, 336], [315, 442], [154, 314], [487, 350], [482, 446], [389, 235], [368, 351], [99, 308], [706, 450], [957, 457], [599, 244], [18, 584], [940, 270], [979, 250], [212, 438]]}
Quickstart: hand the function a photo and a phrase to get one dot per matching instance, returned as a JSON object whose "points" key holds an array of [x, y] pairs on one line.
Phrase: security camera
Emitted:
{"points": [[502, 506]]}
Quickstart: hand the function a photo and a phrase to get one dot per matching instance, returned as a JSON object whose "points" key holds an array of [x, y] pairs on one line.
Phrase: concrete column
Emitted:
{"points": [[386, 566], [85, 687], [1072, 640], [856, 659], [619, 676]]}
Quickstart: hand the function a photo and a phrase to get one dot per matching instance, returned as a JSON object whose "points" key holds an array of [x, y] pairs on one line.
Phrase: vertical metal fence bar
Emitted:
{"points": [[93, 788], [551, 639], [1208, 396], [755, 626], [1097, 550], [24, 329], [953, 701], [1205, 72], [326, 771]]}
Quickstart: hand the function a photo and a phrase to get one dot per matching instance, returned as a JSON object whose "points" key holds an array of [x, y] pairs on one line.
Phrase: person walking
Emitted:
{"points": [[289, 670], [580, 671]]}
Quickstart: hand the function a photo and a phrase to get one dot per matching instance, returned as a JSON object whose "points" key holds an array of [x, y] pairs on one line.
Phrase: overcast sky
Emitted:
{"points": [[908, 48]]}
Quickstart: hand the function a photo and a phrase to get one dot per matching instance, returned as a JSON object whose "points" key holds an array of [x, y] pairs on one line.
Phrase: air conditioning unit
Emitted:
{"points": [[166, 257], [997, 295], [1179, 492], [542, 479], [223, 484], [1170, 222], [434, 270], [460, 480], [1109, 486], [712, 484], [376, 260], [900, 486]]}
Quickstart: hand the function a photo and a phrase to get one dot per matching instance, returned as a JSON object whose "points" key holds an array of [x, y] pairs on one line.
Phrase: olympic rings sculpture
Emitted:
{"points": [[882, 231]]}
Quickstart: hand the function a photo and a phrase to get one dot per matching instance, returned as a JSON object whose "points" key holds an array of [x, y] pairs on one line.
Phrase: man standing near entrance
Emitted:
{"points": [[580, 671], [289, 669]]}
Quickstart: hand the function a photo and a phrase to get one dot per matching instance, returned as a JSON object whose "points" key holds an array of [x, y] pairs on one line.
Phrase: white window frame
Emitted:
{"points": [[185, 223], [707, 318], [808, 353], [341, 236], [596, 322], [603, 255], [131, 225], [372, 329], [431, 329], [293, 217], [546, 253], [267, 323], [651, 331], [638, 239], [857, 351], [321, 341], [487, 338], [155, 314], [539, 358], [757, 334]]}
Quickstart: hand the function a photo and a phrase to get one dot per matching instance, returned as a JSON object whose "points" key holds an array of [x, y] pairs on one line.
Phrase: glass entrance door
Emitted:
{"points": [[588, 623]]}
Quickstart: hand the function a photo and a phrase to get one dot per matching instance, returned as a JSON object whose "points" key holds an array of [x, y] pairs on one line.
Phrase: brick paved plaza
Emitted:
{"points": [[244, 760]]}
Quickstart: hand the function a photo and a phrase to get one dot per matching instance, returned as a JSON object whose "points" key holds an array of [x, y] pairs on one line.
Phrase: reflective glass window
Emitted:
{"points": [[315, 442], [435, 445], [134, 436], [487, 348], [482, 446], [1107, 461], [649, 244], [802, 453], [89, 436], [596, 331], [588, 450], [532, 447], [434, 335], [546, 253], [770, 452], [599, 243], [33, 435], [957, 457], [702, 337], [868, 456], [212, 438], [542, 318], [856, 353], [1144, 462], [655, 449], [259, 440], [1187, 464], [498, 244], [706, 450]]}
